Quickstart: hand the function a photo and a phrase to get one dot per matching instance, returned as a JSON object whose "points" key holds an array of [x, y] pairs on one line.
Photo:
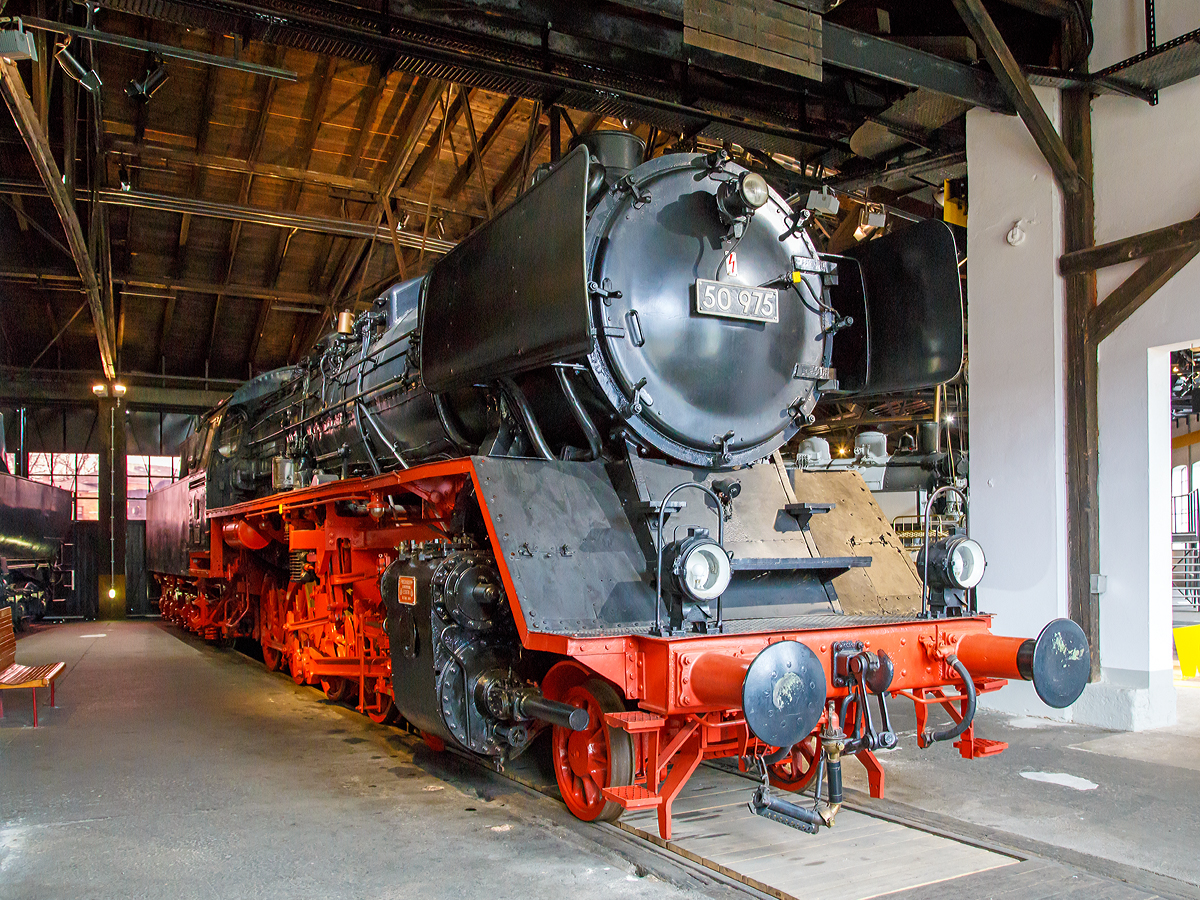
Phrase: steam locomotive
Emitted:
{"points": [[540, 488]]}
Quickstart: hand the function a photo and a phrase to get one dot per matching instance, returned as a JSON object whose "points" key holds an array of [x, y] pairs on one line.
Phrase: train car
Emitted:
{"points": [[540, 488], [35, 520]]}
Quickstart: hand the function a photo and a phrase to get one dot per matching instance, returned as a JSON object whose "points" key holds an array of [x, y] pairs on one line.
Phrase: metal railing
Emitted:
{"points": [[1185, 549], [911, 529]]}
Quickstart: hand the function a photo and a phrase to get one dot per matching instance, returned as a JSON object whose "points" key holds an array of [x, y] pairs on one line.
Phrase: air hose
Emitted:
{"points": [[956, 730]]}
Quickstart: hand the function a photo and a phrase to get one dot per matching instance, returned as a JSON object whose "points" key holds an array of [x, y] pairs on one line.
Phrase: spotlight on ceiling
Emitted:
{"points": [[74, 68], [871, 218], [142, 89], [17, 43]]}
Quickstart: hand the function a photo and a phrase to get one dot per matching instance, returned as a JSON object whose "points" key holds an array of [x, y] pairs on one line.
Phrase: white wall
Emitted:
{"points": [[1018, 507], [1147, 175]]}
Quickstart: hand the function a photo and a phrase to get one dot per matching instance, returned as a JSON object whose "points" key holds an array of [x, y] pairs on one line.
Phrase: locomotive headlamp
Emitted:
{"points": [[952, 567], [964, 563], [703, 569], [753, 190], [737, 200]]}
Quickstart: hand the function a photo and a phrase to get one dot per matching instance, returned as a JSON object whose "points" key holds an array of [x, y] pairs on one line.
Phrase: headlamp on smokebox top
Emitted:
{"points": [[952, 567], [696, 571]]}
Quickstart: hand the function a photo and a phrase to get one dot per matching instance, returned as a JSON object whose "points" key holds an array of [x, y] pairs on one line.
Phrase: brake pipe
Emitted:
{"points": [[956, 730]]}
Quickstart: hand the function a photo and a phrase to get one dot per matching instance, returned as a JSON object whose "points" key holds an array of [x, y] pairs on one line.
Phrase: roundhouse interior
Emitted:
{"points": [[324, 557]]}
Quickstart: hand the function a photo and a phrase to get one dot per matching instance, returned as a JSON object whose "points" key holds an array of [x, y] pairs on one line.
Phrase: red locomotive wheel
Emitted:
{"points": [[381, 708], [296, 659], [595, 758], [337, 689], [271, 657], [269, 630], [796, 771]]}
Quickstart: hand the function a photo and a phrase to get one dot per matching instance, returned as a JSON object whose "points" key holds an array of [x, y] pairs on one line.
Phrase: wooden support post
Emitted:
{"points": [[1080, 379], [1020, 94]]}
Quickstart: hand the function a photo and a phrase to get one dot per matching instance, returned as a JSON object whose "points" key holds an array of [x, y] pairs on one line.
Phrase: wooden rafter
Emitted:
{"points": [[408, 138], [348, 185], [195, 189], [373, 94], [493, 130], [476, 155], [306, 143], [519, 164], [235, 230]]}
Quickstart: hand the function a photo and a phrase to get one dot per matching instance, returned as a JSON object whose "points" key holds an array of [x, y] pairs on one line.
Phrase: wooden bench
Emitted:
{"points": [[13, 676]]}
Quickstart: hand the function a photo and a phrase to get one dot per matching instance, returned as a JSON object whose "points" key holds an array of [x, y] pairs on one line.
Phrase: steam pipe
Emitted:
{"points": [[449, 425], [585, 421], [528, 422]]}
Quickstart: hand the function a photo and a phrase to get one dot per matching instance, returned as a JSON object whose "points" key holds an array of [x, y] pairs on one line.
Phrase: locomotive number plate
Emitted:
{"points": [[736, 301]]}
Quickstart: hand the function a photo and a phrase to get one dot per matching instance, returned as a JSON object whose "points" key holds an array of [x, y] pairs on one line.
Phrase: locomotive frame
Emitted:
{"points": [[658, 705]]}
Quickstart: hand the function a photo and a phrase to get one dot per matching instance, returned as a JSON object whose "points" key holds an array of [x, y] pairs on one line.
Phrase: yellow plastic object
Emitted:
{"points": [[954, 209], [1187, 645]]}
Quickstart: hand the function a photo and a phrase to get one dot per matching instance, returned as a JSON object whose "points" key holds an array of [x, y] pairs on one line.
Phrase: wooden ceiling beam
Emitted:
{"points": [[521, 160], [49, 279], [429, 153], [369, 110], [366, 187], [502, 117], [408, 138], [477, 155], [307, 142], [1019, 92], [235, 230], [195, 190], [512, 175], [36, 140]]}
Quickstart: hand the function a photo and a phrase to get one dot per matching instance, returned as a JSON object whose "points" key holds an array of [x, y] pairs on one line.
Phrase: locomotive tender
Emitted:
{"points": [[539, 488]]}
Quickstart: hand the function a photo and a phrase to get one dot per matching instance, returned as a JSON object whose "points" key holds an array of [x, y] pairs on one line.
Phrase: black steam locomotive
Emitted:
{"points": [[537, 487]]}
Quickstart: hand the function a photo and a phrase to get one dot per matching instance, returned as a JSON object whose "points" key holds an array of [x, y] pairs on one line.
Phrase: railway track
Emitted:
{"points": [[876, 848], [718, 836]]}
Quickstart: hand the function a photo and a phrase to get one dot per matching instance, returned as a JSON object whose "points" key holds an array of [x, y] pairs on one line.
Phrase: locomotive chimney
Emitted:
{"points": [[619, 152]]}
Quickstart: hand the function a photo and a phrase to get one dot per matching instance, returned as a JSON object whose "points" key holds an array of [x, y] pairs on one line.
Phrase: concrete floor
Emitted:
{"points": [[1130, 798], [172, 770], [285, 795]]}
